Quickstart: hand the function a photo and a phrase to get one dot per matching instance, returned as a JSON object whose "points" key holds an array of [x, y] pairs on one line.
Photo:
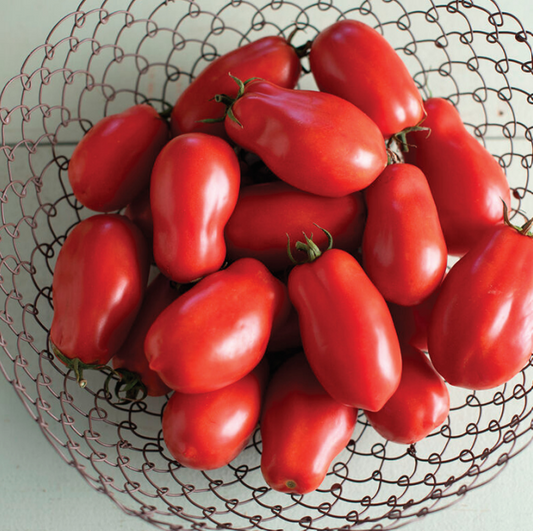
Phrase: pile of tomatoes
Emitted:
{"points": [[300, 241]]}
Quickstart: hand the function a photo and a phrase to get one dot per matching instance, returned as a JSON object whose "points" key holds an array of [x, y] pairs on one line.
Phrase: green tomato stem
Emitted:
{"points": [[309, 247], [228, 101], [129, 383]]}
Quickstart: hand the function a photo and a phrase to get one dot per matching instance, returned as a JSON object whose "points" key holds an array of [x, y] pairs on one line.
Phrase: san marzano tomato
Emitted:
{"points": [[271, 58], [302, 428], [404, 252], [265, 213], [193, 191], [481, 328], [467, 183], [205, 431], [420, 404], [352, 60], [217, 331], [347, 331], [99, 282], [314, 141], [112, 163]]}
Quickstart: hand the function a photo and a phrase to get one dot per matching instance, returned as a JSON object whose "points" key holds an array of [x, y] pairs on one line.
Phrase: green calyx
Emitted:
{"points": [[228, 101], [127, 388], [401, 137], [76, 366], [523, 229], [309, 247]]}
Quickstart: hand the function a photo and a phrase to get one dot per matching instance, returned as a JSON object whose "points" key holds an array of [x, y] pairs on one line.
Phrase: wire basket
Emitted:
{"points": [[104, 58]]}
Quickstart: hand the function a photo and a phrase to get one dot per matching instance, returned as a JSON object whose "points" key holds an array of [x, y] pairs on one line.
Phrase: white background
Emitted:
{"points": [[39, 492]]}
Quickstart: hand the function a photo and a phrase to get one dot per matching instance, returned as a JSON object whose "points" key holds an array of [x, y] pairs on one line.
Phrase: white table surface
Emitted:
{"points": [[39, 492]]}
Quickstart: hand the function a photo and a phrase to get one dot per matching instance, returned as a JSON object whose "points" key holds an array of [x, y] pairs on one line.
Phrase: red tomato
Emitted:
{"points": [[159, 295], [420, 404], [205, 431], [303, 429], [481, 329], [467, 183], [194, 189], [347, 331], [112, 163], [352, 60], [271, 58], [404, 252], [140, 213], [266, 213], [217, 331], [314, 141], [99, 283], [412, 322]]}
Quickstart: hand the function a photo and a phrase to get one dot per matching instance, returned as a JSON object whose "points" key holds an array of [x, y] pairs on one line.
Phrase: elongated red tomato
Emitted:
{"points": [[99, 282], [112, 163], [193, 191], [303, 429], [218, 331], [467, 183], [481, 328], [420, 404], [266, 213], [159, 294], [404, 252], [354, 61], [347, 331], [314, 141], [205, 431], [271, 58]]}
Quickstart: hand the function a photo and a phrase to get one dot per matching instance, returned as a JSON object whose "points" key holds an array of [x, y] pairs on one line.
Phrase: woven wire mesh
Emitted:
{"points": [[106, 57]]}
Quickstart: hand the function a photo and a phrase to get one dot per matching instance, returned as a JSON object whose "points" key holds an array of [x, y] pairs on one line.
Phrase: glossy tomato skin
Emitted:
{"points": [[481, 329], [420, 404], [217, 331], [266, 213], [404, 252], [271, 58], [99, 282], [205, 431], [159, 295], [354, 61], [347, 331], [193, 191], [303, 429], [467, 183], [112, 163], [294, 134]]}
